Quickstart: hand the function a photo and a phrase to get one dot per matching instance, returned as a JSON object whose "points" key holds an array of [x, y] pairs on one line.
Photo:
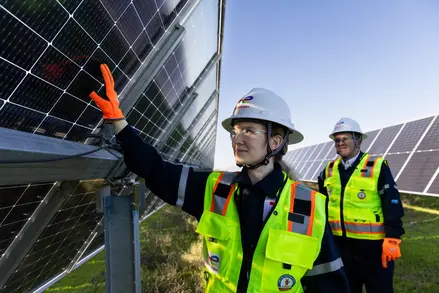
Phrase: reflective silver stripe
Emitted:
{"points": [[386, 186], [325, 268], [364, 228], [219, 204], [228, 178], [220, 201], [302, 194], [368, 172], [335, 225], [182, 185]]}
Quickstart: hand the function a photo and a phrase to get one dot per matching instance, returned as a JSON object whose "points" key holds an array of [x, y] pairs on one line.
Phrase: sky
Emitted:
{"points": [[374, 61]]}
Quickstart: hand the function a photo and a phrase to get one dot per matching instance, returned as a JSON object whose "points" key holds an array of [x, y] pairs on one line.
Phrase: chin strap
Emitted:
{"points": [[270, 153]]}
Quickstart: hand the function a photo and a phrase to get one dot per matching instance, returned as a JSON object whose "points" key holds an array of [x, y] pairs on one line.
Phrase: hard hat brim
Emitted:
{"points": [[332, 135], [293, 138]]}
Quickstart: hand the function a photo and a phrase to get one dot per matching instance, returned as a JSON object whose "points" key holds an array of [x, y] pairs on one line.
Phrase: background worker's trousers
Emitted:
{"points": [[362, 262]]}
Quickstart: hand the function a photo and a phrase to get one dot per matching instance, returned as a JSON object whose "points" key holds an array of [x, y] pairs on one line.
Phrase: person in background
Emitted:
{"points": [[262, 231], [364, 210]]}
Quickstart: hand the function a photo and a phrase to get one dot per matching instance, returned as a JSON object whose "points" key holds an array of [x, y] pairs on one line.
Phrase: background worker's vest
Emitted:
{"points": [[288, 245], [362, 214]]}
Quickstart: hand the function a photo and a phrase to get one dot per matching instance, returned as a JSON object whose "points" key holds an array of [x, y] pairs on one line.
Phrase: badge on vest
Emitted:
{"points": [[361, 195], [214, 262], [286, 282]]}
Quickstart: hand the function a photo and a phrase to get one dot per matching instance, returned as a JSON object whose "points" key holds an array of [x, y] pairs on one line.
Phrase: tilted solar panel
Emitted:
{"points": [[49, 62]]}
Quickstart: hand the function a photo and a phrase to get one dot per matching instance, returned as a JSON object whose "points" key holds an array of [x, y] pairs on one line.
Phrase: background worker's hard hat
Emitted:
{"points": [[346, 124], [263, 104]]}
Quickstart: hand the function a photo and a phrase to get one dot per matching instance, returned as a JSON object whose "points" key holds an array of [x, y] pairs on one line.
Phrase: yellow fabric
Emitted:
{"points": [[277, 246], [362, 211]]}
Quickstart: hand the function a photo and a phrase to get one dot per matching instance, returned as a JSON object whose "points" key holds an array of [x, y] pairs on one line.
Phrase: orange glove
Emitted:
{"points": [[109, 107], [391, 250]]}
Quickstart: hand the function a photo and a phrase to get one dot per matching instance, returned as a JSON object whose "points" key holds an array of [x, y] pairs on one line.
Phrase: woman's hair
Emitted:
{"points": [[289, 169]]}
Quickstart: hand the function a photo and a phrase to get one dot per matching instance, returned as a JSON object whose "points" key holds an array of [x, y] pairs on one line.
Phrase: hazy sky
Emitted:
{"points": [[374, 61]]}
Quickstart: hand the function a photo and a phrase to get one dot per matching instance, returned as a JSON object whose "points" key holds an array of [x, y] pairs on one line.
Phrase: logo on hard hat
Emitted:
{"points": [[242, 103]]}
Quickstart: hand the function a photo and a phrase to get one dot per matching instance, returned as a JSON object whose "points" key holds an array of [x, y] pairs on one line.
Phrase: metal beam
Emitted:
{"points": [[151, 66], [192, 125], [31, 231], [17, 146], [197, 136]]}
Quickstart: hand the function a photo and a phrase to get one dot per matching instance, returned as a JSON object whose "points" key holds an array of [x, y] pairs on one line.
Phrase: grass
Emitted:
{"points": [[171, 256]]}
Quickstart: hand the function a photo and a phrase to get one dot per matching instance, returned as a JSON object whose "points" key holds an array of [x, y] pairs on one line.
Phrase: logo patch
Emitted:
{"points": [[286, 282], [214, 262], [361, 195]]}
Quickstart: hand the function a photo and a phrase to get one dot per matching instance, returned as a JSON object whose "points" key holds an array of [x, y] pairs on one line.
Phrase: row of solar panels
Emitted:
{"points": [[49, 56], [411, 149]]}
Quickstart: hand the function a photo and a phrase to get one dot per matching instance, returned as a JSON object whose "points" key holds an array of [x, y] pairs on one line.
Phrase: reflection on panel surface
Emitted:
{"points": [[52, 52], [411, 150]]}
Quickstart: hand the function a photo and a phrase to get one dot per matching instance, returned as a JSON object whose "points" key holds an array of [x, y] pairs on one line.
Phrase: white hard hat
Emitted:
{"points": [[263, 104], [346, 124]]}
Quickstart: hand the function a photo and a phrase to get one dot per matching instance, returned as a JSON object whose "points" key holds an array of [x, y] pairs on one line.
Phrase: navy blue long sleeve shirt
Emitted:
{"points": [[390, 197], [183, 186]]}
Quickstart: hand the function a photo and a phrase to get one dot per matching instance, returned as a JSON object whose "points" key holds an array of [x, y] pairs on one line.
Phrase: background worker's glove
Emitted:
{"points": [[391, 250], [109, 107]]}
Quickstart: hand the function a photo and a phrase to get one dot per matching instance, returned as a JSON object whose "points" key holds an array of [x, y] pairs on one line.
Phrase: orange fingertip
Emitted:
{"points": [[110, 75]]}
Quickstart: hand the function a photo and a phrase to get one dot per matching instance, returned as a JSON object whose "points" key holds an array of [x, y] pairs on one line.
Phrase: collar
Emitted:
{"points": [[270, 184], [350, 162]]}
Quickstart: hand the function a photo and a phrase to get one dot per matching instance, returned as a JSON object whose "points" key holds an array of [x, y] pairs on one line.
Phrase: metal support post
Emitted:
{"points": [[122, 240]]}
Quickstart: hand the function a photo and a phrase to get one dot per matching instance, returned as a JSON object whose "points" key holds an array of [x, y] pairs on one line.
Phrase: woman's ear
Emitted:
{"points": [[275, 142]]}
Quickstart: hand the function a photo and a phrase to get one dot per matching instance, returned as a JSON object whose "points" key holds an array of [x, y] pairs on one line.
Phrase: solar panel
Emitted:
{"points": [[49, 63], [371, 135], [383, 141], [411, 150], [410, 135]]}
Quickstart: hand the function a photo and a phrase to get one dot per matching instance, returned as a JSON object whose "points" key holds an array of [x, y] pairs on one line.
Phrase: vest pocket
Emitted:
{"points": [[288, 256], [218, 232]]}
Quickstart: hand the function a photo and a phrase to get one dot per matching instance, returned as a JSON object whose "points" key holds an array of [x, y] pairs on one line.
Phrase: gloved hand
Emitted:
{"points": [[110, 108], [391, 250]]}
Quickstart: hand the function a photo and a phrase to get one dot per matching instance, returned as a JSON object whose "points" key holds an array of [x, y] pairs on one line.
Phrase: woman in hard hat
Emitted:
{"points": [[364, 210], [263, 231]]}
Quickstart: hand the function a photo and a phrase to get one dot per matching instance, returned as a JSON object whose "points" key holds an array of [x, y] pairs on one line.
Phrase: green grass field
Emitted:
{"points": [[171, 256]]}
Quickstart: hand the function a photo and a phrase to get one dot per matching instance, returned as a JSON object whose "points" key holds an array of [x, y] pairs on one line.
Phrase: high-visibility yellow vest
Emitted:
{"points": [[287, 247], [362, 213]]}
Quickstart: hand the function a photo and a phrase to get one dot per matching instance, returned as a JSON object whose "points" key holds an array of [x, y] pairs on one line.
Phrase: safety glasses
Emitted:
{"points": [[247, 133]]}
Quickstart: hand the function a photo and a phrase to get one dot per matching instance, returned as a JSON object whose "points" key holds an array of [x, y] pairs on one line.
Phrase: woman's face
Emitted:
{"points": [[249, 142]]}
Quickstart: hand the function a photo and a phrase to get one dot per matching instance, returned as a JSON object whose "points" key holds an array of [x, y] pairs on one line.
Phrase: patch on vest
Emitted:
{"points": [[285, 282], [361, 195], [214, 262]]}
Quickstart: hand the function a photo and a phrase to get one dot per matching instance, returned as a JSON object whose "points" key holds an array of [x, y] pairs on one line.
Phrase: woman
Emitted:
{"points": [[263, 231]]}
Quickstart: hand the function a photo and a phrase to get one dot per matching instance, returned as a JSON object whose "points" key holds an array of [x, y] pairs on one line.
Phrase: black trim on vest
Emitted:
{"points": [[297, 218], [222, 190], [302, 207]]}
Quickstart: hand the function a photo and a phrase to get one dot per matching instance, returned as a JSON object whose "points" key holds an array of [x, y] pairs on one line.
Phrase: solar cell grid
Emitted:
{"points": [[53, 52], [17, 204], [419, 171], [312, 170], [383, 141], [431, 139], [396, 161], [60, 240], [410, 135], [367, 142]]}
